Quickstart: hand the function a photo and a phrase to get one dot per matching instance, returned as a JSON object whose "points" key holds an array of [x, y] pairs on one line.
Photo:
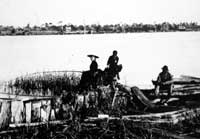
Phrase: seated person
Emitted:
{"points": [[113, 63], [163, 81], [113, 69], [93, 65], [93, 70]]}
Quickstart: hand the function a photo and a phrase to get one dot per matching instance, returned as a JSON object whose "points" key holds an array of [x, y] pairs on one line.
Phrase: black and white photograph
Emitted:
{"points": [[99, 69]]}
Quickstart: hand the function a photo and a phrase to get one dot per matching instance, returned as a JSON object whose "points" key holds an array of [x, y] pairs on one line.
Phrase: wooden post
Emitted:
{"points": [[5, 113]]}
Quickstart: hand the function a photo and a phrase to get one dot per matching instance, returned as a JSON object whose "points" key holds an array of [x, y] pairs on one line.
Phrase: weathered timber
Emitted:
{"points": [[131, 126], [193, 88], [7, 131], [58, 122], [167, 117], [170, 118], [136, 91], [7, 96], [179, 82], [5, 113], [137, 95], [187, 77], [165, 133]]}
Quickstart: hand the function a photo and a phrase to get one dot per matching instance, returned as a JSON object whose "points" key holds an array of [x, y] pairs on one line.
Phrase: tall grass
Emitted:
{"points": [[45, 83]]}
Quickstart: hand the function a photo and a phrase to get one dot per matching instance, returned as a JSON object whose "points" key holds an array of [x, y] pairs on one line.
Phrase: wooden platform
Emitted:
{"points": [[171, 118]]}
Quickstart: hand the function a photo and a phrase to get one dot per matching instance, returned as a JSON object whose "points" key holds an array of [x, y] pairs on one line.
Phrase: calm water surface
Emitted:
{"points": [[142, 54]]}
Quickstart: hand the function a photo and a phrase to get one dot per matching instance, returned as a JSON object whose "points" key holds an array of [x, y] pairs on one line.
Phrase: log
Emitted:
{"points": [[166, 133], [177, 82], [7, 132], [194, 88], [167, 117], [157, 115], [151, 129], [58, 122], [139, 97], [190, 77], [142, 98]]}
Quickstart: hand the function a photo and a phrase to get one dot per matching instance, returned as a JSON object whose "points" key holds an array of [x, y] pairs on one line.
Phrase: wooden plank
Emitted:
{"points": [[5, 113], [35, 124], [190, 77], [7, 132], [169, 134], [167, 117], [157, 115], [197, 88], [22, 97]]}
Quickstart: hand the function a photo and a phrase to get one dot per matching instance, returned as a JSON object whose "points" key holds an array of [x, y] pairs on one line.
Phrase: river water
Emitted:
{"points": [[141, 54]]}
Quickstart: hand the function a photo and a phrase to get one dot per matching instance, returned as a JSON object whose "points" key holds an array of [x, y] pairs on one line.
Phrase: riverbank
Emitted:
{"points": [[50, 29], [36, 33]]}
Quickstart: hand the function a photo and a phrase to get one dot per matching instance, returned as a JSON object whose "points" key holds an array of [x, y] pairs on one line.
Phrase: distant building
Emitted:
{"points": [[6, 30], [19, 31], [165, 27], [181, 28], [67, 28]]}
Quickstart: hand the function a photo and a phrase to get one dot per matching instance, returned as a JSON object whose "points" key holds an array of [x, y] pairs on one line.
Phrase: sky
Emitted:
{"points": [[37, 12]]}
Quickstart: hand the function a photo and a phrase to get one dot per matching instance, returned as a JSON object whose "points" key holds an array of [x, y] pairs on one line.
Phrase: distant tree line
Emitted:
{"points": [[51, 29]]}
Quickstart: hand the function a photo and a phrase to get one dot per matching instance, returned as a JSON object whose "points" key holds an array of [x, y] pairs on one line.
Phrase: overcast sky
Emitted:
{"points": [[21, 12]]}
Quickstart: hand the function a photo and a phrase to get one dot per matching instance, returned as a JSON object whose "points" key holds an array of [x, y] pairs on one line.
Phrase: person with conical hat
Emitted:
{"points": [[93, 70], [93, 65]]}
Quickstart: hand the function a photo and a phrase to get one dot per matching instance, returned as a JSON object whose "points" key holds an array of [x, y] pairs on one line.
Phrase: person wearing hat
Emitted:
{"points": [[163, 81], [93, 65], [93, 70]]}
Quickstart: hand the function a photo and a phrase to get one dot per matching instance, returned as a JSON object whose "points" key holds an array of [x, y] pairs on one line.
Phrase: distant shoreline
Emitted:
{"points": [[44, 34], [70, 29]]}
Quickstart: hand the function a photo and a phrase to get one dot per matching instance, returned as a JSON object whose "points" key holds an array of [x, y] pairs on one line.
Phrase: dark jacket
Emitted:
{"points": [[163, 77], [93, 66], [112, 61]]}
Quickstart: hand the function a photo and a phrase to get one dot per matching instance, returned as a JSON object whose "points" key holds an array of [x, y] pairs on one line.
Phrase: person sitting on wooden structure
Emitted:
{"points": [[113, 67], [89, 78], [93, 65], [113, 61], [93, 70], [113, 64], [164, 81]]}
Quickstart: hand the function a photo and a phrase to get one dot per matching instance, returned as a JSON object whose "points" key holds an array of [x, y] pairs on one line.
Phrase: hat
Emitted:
{"points": [[165, 67], [92, 56]]}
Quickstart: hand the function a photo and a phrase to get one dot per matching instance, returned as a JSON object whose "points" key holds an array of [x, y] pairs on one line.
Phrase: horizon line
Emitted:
{"points": [[98, 23]]}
